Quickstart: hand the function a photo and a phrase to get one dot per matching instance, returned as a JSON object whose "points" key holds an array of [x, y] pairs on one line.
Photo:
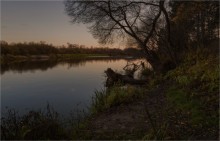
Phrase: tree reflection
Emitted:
{"points": [[43, 65]]}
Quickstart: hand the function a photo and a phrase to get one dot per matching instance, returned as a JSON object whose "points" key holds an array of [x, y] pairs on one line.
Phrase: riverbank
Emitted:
{"points": [[180, 104], [60, 57]]}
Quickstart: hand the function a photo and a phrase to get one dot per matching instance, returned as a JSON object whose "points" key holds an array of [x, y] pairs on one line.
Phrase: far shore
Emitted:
{"points": [[19, 58]]}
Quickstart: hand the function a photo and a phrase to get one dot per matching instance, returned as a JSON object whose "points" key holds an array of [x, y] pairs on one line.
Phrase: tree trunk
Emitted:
{"points": [[170, 47], [114, 78], [154, 61], [159, 65]]}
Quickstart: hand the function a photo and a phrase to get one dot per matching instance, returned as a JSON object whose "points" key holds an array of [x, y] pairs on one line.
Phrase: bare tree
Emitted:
{"points": [[111, 20]]}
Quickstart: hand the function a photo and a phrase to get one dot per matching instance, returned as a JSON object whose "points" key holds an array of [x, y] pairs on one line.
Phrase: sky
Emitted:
{"points": [[26, 21]]}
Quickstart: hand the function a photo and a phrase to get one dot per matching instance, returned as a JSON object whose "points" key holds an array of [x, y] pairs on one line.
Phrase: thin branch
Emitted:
{"points": [[153, 27]]}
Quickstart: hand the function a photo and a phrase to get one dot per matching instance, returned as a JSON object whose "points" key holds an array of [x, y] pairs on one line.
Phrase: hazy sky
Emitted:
{"points": [[41, 21]]}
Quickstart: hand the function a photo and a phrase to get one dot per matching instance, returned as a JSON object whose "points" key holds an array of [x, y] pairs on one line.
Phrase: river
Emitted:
{"points": [[66, 85]]}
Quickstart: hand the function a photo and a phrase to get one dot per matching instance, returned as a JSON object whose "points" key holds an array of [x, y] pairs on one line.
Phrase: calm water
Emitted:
{"points": [[64, 85]]}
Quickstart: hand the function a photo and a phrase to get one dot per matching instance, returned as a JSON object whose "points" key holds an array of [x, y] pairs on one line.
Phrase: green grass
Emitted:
{"points": [[194, 89], [115, 96], [192, 93]]}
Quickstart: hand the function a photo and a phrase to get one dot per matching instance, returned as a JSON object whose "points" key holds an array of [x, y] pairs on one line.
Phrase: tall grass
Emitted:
{"points": [[115, 96], [33, 125]]}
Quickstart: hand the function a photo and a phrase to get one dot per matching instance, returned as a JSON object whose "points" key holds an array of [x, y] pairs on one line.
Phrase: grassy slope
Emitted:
{"points": [[182, 104]]}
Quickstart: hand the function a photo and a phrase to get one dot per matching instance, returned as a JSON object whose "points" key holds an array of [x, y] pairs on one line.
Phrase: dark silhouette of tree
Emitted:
{"points": [[194, 21], [110, 20]]}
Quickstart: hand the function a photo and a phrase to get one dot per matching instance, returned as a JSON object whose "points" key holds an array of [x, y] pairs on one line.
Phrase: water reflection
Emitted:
{"points": [[66, 85], [44, 65]]}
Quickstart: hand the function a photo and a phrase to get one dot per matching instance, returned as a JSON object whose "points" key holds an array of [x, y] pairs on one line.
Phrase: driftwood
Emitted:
{"points": [[113, 77], [131, 68]]}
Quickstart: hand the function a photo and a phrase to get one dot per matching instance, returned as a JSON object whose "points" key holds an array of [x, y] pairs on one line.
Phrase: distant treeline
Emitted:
{"points": [[42, 48]]}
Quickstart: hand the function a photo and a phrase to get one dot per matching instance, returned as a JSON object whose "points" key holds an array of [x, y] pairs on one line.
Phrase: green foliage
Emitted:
{"points": [[119, 95], [183, 80], [200, 69], [115, 96], [194, 89], [183, 102], [98, 101]]}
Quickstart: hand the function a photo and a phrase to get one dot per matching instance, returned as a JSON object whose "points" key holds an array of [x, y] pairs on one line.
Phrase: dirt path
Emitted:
{"points": [[130, 121]]}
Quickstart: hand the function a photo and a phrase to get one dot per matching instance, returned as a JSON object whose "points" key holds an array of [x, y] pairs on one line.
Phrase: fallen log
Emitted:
{"points": [[113, 78]]}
